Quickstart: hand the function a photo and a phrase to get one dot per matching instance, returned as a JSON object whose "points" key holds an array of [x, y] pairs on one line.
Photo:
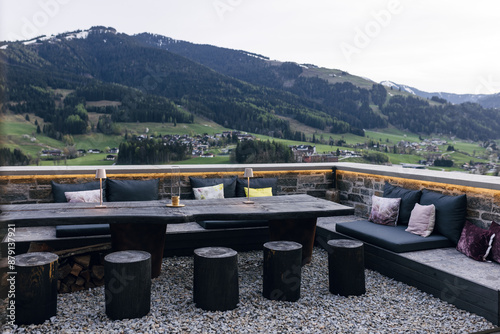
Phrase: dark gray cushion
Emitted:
{"points": [[81, 230], [395, 238], [229, 184], [269, 182], [450, 213], [408, 200], [58, 189], [132, 190], [213, 224]]}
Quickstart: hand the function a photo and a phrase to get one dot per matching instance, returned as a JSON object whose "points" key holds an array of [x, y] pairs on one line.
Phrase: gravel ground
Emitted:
{"points": [[387, 307]]}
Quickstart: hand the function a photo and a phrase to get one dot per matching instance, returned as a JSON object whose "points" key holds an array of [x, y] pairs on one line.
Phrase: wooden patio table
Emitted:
{"points": [[143, 224]]}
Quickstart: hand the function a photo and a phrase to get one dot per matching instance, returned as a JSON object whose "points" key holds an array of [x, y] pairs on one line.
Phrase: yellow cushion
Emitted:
{"points": [[259, 192]]}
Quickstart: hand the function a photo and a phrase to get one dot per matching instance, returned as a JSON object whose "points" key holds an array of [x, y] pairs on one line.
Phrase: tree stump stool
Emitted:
{"points": [[36, 287], [282, 270], [346, 267], [215, 284], [127, 279]]}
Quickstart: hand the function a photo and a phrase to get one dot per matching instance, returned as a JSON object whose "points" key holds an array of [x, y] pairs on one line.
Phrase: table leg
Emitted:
{"points": [[145, 237], [298, 230]]}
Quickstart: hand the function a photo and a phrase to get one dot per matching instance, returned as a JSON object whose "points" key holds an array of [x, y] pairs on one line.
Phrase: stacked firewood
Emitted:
{"points": [[79, 268], [80, 272]]}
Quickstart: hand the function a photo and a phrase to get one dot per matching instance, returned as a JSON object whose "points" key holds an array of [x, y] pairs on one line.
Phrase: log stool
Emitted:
{"points": [[282, 270], [215, 284], [127, 279], [346, 267], [36, 287]]}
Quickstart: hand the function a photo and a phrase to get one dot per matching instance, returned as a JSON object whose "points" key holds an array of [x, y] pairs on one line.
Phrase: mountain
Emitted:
{"points": [[485, 100], [152, 78]]}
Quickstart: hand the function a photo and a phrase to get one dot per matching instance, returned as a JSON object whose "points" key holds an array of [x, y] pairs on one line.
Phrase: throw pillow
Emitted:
{"points": [[255, 183], [495, 248], [385, 211], [408, 200], [58, 189], [132, 190], [450, 213], [229, 184], [259, 192], [209, 192], [475, 242], [422, 220], [86, 196]]}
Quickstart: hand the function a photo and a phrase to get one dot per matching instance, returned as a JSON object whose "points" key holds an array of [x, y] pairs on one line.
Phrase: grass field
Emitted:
{"points": [[16, 132]]}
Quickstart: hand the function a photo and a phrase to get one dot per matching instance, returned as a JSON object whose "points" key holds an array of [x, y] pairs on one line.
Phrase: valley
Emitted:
{"points": [[68, 95]]}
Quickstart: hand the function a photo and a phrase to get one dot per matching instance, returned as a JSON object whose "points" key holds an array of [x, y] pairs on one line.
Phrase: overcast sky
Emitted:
{"points": [[433, 45]]}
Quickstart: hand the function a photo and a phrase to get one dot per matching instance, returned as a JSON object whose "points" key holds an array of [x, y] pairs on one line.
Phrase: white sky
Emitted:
{"points": [[433, 45]]}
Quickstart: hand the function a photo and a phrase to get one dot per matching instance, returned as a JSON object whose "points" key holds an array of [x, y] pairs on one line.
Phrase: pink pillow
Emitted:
{"points": [[422, 220], [385, 211], [475, 242], [86, 196], [495, 248]]}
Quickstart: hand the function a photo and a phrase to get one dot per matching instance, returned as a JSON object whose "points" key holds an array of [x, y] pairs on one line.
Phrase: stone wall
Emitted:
{"points": [[356, 189], [37, 189]]}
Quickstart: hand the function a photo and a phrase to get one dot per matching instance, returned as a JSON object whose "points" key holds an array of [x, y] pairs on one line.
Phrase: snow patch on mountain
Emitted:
{"points": [[404, 88]]}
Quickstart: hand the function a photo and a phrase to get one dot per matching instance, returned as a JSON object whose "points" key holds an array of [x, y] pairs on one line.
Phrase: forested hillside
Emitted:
{"points": [[351, 104], [151, 78]]}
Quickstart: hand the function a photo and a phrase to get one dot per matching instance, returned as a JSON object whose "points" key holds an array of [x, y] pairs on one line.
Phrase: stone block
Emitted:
{"points": [[472, 214], [362, 210], [11, 198], [478, 203], [490, 217], [366, 192], [287, 190], [287, 182], [42, 193], [344, 186], [355, 198], [323, 186], [310, 179]]}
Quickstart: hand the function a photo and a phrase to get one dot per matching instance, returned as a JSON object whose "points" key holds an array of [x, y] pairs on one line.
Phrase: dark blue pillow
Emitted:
{"points": [[450, 213], [408, 200], [59, 189], [255, 183], [229, 184], [132, 190]]}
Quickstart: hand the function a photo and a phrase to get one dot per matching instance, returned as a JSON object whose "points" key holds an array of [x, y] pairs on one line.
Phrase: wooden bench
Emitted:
{"points": [[444, 272], [180, 240]]}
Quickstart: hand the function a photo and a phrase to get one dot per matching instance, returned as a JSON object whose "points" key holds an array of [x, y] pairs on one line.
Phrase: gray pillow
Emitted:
{"points": [[132, 190], [408, 200], [229, 184], [58, 189], [450, 213]]}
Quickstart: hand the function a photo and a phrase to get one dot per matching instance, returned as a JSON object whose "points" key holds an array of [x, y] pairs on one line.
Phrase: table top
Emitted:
{"points": [[269, 208]]}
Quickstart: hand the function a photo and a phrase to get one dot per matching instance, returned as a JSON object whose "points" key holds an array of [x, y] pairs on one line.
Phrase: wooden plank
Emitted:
{"points": [[479, 304], [156, 212]]}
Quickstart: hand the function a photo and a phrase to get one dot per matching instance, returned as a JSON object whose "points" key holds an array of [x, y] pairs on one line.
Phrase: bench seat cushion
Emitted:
{"points": [[214, 224], [81, 230], [395, 238]]}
